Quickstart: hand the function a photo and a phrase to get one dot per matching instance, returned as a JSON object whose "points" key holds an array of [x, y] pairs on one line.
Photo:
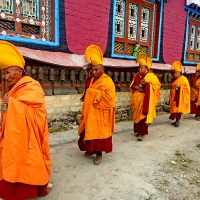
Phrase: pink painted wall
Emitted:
{"points": [[87, 22], [174, 29]]}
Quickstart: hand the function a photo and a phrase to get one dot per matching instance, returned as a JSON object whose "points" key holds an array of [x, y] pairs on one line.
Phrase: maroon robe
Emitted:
{"points": [[141, 128], [20, 191]]}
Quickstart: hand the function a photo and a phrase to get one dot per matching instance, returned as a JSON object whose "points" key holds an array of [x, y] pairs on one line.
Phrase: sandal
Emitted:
{"points": [[97, 159], [140, 138]]}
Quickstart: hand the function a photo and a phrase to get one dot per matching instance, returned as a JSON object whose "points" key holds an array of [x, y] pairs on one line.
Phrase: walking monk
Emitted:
{"points": [[195, 93], [179, 94], [24, 149], [145, 89], [98, 113]]}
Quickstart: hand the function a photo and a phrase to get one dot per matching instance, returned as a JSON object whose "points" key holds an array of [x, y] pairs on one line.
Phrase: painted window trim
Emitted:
{"points": [[159, 34], [189, 10], [40, 42]]}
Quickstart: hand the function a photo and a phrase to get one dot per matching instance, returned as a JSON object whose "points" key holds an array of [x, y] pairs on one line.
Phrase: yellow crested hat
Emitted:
{"points": [[94, 55], [96, 60], [143, 59], [149, 63], [10, 56], [198, 67], [177, 66]]}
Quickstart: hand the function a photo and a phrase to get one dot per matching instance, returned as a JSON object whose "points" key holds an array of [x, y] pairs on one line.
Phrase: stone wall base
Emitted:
{"points": [[64, 110]]}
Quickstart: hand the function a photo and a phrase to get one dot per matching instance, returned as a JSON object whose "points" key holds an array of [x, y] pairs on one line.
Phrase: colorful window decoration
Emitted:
{"points": [[136, 28], [192, 39], [193, 49], [6, 6], [33, 21], [30, 8]]}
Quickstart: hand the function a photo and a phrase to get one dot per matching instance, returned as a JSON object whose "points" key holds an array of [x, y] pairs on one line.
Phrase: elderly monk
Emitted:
{"points": [[24, 149], [195, 93], [145, 89], [179, 94], [98, 113]]}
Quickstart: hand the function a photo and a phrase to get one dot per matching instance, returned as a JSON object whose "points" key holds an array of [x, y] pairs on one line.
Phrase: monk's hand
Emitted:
{"points": [[177, 86], [5, 99], [142, 82], [137, 87]]}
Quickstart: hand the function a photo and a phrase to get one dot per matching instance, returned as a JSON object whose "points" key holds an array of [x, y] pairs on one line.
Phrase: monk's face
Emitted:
{"points": [[97, 71], [197, 73], [176, 74], [142, 69], [12, 75]]}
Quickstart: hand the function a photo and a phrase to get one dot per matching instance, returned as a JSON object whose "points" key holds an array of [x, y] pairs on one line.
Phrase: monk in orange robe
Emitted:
{"points": [[24, 150], [195, 93], [179, 94], [98, 113], [145, 89]]}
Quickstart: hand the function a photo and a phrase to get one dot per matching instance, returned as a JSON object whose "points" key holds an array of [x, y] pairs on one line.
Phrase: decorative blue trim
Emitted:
{"points": [[124, 16], [192, 10], [13, 3], [123, 56], [160, 29], [38, 12], [149, 25], [159, 36], [57, 22], [33, 41], [190, 63], [113, 29], [127, 57], [137, 36], [186, 40]]}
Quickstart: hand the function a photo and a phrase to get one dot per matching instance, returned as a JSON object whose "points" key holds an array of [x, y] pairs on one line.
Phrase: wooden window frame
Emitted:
{"points": [[19, 19], [189, 51], [126, 41]]}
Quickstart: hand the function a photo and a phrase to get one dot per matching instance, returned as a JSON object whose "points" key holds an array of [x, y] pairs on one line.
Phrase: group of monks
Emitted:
{"points": [[146, 92], [25, 165]]}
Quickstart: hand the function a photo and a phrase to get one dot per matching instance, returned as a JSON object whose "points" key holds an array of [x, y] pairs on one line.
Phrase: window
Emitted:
{"points": [[29, 21], [193, 47], [192, 39], [136, 21]]}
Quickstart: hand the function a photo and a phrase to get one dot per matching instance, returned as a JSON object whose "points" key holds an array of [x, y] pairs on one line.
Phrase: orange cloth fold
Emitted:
{"points": [[184, 96], [24, 149], [195, 92], [155, 93], [98, 113], [137, 98]]}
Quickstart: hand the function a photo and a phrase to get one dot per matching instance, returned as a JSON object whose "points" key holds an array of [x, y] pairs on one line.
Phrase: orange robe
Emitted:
{"points": [[98, 112], [180, 99], [154, 97], [195, 96], [138, 98], [24, 149]]}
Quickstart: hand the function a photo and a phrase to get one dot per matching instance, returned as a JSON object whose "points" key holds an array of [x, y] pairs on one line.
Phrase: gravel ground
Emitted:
{"points": [[165, 166]]}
